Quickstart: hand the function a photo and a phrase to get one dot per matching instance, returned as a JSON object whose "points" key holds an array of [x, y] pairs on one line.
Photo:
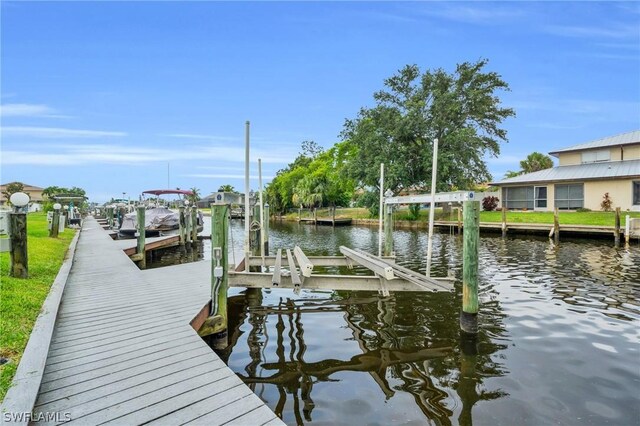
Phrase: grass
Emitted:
{"points": [[21, 299], [596, 218]]}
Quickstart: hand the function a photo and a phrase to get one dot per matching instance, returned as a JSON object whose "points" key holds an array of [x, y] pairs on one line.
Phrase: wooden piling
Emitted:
{"points": [[181, 225], [216, 324], [140, 233], [504, 222], [194, 226], [55, 224], [315, 216], [556, 225], [254, 242], [266, 229], [333, 216], [469, 314], [388, 229], [459, 220], [616, 230], [627, 229], [187, 228], [18, 258]]}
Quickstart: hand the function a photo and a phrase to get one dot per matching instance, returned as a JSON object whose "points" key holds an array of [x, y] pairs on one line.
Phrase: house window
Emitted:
{"points": [[636, 193], [541, 197], [518, 197], [569, 197], [596, 156]]}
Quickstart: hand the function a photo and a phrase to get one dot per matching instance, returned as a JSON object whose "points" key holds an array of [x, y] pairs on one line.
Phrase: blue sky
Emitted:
{"points": [[104, 95]]}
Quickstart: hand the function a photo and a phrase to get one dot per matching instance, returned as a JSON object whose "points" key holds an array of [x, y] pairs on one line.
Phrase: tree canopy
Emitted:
{"points": [[227, 188], [461, 109]]}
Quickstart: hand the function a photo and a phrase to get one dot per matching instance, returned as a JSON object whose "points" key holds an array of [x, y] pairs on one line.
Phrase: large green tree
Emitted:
{"points": [[462, 109]]}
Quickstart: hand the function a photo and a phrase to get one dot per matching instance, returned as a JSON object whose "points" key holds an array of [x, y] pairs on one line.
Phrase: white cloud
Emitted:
{"points": [[203, 137], [615, 31], [224, 176], [25, 110], [57, 133], [66, 154], [485, 14]]}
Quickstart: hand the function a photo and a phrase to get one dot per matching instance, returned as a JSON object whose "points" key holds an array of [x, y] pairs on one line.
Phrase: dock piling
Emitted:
{"points": [[388, 230], [616, 231], [55, 223], [469, 314], [216, 323], [194, 226], [459, 220], [140, 234], [18, 254], [627, 229], [265, 231], [556, 225], [181, 225], [504, 222]]}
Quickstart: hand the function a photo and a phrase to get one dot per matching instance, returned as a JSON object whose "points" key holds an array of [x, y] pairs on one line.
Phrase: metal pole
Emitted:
{"points": [[247, 213], [262, 236], [434, 174], [380, 212]]}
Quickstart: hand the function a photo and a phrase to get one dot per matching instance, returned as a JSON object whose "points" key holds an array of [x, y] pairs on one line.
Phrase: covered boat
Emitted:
{"points": [[158, 219]]}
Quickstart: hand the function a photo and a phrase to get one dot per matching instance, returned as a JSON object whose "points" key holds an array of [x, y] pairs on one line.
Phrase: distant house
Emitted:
{"points": [[34, 193], [585, 173]]}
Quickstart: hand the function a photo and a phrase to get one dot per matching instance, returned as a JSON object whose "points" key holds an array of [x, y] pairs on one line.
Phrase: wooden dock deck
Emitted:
{"points": [[123, 351]]}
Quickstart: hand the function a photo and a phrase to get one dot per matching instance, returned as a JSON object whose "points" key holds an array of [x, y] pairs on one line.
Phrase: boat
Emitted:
{"points": [[158, 219]]}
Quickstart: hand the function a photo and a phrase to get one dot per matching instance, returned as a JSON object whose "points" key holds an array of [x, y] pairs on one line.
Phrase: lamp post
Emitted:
{"points": [[55, 222], [19, 262]]}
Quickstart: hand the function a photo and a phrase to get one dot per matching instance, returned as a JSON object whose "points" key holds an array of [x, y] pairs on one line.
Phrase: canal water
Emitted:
{"points": [[558, 342]]}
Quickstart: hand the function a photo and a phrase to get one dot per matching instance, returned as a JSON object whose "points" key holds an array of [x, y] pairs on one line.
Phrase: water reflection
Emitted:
{"points": [[558, 337]]}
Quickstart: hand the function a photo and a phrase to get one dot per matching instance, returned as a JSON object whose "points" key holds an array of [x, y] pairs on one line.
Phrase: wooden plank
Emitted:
{"points": [[227, 413], [277, 270], [306, 267], [259, 416]]}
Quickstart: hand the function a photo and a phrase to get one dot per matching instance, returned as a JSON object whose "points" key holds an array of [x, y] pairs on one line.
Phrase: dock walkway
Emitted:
{"points": [[123, 351]]}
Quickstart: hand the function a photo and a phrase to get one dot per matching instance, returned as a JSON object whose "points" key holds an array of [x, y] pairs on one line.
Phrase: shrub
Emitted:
{"points": [[490, 203], [606, 202], [583, 210]]}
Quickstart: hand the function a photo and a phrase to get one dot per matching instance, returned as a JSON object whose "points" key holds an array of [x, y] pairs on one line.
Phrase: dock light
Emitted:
{"points": [[19, 200], [57, 206], [186, 203], [388, 193]]}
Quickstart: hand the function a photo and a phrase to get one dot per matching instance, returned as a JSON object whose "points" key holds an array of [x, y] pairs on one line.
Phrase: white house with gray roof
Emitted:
{"points": [[585, 173]]}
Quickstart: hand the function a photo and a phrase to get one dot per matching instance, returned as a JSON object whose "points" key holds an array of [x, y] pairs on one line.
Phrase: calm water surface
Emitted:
{"points": [[558, 341]]}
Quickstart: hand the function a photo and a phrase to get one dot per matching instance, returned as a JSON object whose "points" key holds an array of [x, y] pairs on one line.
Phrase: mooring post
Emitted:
{"points": [[469, 314], [255, 231], [19, 261], [55, 222], [194, 226], [181, 225], [504, 222], [333, 216], [110, 217], [216, 324], [140, 234], [388, 230], [556, 225], [459, 220], [627, 229], [299, 213], [315, 216], [187, 228], [616, 231], [266, 229]]}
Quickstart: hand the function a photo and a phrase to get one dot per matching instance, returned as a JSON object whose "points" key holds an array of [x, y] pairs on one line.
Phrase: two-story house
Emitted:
{"points": [[585, 173]]}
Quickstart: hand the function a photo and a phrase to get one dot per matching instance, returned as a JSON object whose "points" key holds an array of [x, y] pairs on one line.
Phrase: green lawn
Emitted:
{"points": [[573, 218], [21, 299]]}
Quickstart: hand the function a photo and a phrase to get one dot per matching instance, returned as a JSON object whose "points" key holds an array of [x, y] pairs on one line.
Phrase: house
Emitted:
{"points": [[34, 193], [585, 173]]}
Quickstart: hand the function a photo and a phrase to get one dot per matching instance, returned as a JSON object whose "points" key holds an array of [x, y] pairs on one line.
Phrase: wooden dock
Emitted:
{"points": [[123, 351], [326, 221]]}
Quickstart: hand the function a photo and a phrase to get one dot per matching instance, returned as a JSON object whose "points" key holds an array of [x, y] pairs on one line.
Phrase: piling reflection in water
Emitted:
{"points": [[399, 351], [557, 343]]}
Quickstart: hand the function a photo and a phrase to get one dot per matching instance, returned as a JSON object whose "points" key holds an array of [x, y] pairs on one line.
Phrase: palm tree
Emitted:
{"points": [[195, 196]]}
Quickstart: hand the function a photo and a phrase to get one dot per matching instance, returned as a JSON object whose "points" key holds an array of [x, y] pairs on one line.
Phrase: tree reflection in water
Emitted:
{"points": [[401, 342]]}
